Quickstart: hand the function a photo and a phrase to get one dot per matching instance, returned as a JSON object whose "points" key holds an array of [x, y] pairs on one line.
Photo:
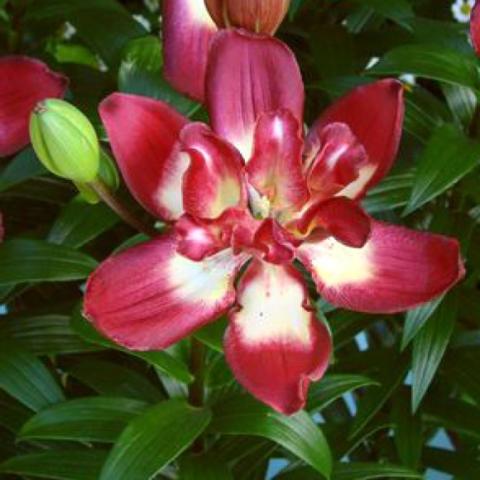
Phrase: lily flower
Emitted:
{"points": [[24, 82], [475, 27], [191, 25], [251, 198]]}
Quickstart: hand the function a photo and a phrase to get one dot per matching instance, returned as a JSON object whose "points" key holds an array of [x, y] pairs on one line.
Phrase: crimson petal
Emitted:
{"points": [[23, 83], [143, 134], [274, 344], [475, 27], [375, 114], [149, 296], [249, 75], [397, 269], [188, 31]]}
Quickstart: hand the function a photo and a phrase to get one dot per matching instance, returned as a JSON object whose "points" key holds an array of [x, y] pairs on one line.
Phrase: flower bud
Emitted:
{"points": [[65, 141], [260, 16]]}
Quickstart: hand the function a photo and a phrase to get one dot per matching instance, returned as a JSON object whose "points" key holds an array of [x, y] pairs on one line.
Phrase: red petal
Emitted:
{"points": [[374, 113], [23, 83], [188, 30], [275, 168], [249, 75], [143, 135], [274, 344], [475, 27], [396, 270], [149, 296], [334, 159], [339, 216], [274, 243], [214, 180]]}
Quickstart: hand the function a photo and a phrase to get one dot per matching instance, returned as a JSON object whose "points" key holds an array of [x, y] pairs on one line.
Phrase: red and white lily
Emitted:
{"points": [[190, 27], [24, 82], [251, 197]]}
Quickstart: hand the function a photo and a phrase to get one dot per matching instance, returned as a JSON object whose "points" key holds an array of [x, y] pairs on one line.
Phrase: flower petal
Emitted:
{"points": [[396, 270], [334, 159], [143, 134], [149, 296], [249, 75], [188, 31], [375, 114], [24, 82], [339, 216], [475, 27], [274, 344], [275, 168], [214, 180]]}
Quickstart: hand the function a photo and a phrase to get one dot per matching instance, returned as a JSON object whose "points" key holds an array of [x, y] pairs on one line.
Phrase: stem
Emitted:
{"points": [[104, 192], [195, 389]]}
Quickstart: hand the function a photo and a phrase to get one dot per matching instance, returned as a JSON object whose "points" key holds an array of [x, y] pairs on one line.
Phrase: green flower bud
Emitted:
{"points": [[65, 141]]}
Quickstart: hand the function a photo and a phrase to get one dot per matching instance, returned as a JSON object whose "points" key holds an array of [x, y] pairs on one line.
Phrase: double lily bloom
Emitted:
{"points": [[251, 201]]}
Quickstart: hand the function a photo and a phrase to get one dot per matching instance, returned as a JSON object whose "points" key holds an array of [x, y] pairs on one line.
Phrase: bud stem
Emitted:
{"points": [[104, 192]]}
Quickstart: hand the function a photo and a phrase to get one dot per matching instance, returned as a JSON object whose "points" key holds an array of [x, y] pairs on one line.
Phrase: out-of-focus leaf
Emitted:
{"points": [[400, 11], [334, 386], [26, 378], [44, 334], [430, 61], [298, 433], [80, 222], [57, 464], [12, 414], [456, 415], [390, 378], [462, 465], [205, 467], [31, 261], [154, 439], [448, 156], [104, 25], [212, 335], [367, 471], [112, 379], [160, 359], [24, 166], [462, 102], [141, 74], [429, 347], [416, 318], [408, 432], [90, 419]]}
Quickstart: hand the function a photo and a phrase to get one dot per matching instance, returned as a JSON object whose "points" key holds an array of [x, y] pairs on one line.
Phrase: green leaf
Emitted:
{"points": [[298, 433], [390, 378], [90, 419], [113, 379], [367, 471], [80, 222], [12, 414], [430, 345], [334, 386], [140, 73], [31, 261], [212, 335], [154, 439], [26, 378], [430, 61], [57, 464], [462, 102], [206, 467], [160, 359], [44, 334], [448, 156], [416, 318], [23, 167], [400, 11]]}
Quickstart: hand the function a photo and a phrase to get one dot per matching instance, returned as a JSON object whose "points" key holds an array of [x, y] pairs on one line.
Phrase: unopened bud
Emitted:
{"points": [[260, 16], [65, 141]]}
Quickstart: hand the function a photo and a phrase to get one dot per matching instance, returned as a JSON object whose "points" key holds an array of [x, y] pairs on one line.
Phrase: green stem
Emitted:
{"points": [[196, 388], [104, 192]]}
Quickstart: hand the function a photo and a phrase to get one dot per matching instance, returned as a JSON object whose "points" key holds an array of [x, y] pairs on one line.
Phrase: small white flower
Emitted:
{"points": [[152, 5], [409, 79], [102, 66], [462, 9], [143, 22], [68, 31]]}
